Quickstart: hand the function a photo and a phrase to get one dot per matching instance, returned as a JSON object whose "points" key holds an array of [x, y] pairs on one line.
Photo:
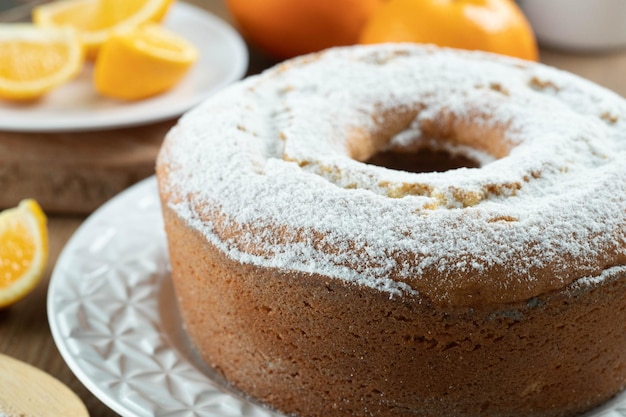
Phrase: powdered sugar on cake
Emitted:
{"points": [[274, 160]]}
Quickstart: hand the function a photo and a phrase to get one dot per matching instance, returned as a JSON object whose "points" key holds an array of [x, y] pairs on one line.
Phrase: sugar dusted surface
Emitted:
{"points": [[266, 171]]}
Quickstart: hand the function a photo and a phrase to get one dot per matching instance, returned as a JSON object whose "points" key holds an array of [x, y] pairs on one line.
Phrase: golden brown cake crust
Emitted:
{"points": [[319, 347]]}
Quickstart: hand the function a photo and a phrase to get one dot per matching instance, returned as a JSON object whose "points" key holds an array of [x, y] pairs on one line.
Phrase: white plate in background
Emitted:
{"points": [[76, 106]]}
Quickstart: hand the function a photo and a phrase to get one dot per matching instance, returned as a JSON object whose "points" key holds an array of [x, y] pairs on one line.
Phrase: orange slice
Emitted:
{"points": [[35, 60], [23, 250], [96, 20], [143, 62]]}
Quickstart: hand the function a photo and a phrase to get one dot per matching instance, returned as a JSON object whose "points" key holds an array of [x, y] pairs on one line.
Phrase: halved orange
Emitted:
{"points": [[35, 60], [142, 62], [96, 20], [23, 250]]}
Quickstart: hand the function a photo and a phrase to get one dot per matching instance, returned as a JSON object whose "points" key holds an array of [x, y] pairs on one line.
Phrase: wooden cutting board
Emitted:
{"points": [[75, 173]]}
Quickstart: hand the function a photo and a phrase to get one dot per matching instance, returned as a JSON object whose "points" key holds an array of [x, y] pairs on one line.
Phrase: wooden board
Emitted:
{"points": [[75, 173], [29, 392]]}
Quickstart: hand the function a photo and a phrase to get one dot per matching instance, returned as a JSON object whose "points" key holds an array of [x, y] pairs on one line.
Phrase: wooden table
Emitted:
{"points": [[24, 331]]}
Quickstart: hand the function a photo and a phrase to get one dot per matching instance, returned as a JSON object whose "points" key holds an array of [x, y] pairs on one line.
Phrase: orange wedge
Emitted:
{"points": [[142, 62], [23, 250], [35, 60], [96, 20]]}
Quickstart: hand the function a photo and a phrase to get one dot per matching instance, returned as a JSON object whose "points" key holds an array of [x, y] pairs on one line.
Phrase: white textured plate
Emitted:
{"points": [[76, 106], [113, 316]]}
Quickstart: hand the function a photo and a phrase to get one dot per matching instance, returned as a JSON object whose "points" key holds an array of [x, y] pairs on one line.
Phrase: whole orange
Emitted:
{"points": [[490, 25], [286, 28]]}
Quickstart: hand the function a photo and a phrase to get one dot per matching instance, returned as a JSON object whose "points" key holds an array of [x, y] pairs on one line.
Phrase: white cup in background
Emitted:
{"points": [[578, 25]]}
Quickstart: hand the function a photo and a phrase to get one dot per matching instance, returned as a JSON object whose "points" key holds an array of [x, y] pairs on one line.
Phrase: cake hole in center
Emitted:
{"points": [[424, 160]]}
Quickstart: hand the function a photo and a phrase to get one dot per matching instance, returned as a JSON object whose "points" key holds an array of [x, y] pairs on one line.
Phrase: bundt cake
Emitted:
{"points": [[403, 230]]}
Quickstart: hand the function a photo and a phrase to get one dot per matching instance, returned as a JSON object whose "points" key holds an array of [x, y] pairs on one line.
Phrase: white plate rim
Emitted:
{"points": [[17, 117], [212, 399], [192, 389]]}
